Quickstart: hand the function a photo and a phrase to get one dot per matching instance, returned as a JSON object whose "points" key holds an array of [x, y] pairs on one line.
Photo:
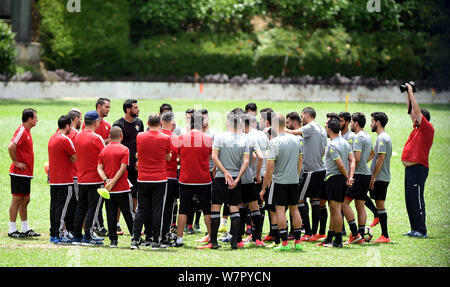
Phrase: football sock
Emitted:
{"points": [[283, 235], [323, 219], [275, 232], [315, 215], [235, 227], [25, 227], [12, 227], [371, 206], [297, 234], [353, 227], [256, 218], [383, 222], [338, 238], [362, 230], [263, 215], [198, 214], [343, 222], [303, 209], [215, 222], [330, 236], [242, 214]]}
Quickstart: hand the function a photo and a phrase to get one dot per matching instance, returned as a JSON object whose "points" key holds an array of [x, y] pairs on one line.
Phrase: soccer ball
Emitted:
{"points": [[368, 234]]}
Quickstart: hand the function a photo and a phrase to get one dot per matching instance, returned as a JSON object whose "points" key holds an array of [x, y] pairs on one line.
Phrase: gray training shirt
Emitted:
{"points": [[337, 148], [362, 143], [263, 144], [314, 143], [349, 137], [249, 175], [285, 151], [383, 144], [231, 149]]}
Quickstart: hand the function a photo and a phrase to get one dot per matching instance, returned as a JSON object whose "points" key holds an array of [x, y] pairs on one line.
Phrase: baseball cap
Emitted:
{"points": [[91, 115]]}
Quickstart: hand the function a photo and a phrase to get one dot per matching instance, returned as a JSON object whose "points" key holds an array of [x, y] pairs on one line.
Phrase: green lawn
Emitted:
{"points": [[434, 251]]}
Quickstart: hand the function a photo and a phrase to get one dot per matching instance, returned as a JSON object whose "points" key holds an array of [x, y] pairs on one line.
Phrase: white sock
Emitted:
{"points": [[118, 224], [223, 221], [180, 240], [25, 227], [12, 227]]}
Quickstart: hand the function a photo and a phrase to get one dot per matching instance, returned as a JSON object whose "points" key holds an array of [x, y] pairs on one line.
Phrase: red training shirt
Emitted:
{"points": [[103, 130], [73, 135], [111, 157], [172, 165], [88, 146], [24, 152], [195, 150], [60, 149], [418, 145], [152, 147]]}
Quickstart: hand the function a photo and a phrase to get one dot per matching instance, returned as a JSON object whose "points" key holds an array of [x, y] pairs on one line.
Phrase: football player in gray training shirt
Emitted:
{"points": [[314, 143], [362, 149], [231, 156], [283, 168], [340, 167], [380, 168], [344, 120]]}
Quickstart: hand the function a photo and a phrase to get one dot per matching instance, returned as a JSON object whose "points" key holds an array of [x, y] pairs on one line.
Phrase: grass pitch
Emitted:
{"points": [[434, 251]]}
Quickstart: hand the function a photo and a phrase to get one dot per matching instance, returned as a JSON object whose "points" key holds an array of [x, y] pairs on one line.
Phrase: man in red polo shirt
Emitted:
{"points": [[415, 159], [195, 148], [88, 145], [153, 152], [61, 156], [112, 168], [21, 171]]}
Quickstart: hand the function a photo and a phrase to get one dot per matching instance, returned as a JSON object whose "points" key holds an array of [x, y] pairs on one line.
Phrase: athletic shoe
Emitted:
{"points": [[95, 237], [190, 231], [375, 221], [65, 241], [90, 242], [273, 245], [298, 245], [145, 243], [257, 243], [197, 227], [178, 244], [222, 228], [318, 237], [268, 238], [119, 231], [206, 246], [382, 239], [31, 233], [134, 245], [173, 228], [204, 239], [226, 238], [323, 243], [418, 234], [17, 234], [353, 239], [282, 247], [113, 244], [237, 245], [68, 234], [409, 233], [54, 239], [306, 238], [333, 245], [76, 241], [248, 238], [156, 246], [102, 232]]}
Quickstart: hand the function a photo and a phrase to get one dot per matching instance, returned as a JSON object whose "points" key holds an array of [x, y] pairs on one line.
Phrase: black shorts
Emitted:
{"points": [[380, 190], [269, 194], [311, 184], [222, 195], [336, 188], [323, 191], [285, 194], [359, 188], [203, 193], [173, 188], [249, 192], [20, 185], [258, 187]]}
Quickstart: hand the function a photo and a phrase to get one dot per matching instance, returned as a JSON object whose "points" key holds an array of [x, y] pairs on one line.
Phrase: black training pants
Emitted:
{"points": [[415, 177], [88, 207], [123, 201]]}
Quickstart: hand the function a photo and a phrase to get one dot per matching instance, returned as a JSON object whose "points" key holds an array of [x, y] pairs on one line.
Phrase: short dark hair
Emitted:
{"points": [[380, 117], [266, 114], [28, 113], [426, 114], [359, 118], [101, 102], [334, 125], [63, 121], [238, 111], [294, 116], [310, 111], [234, 120], [165, 107], [204, 111], [74, 114], [346, 116], [154, 120], [251, 107], [197, 120], [332, 116], [246, 119], [128, 104], [189, 111]]}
